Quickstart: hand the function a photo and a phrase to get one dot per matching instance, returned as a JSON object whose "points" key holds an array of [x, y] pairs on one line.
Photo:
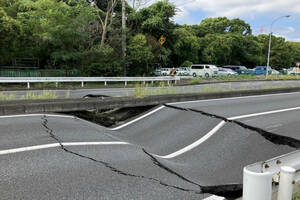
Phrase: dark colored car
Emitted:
{"points": [[237, 68]]}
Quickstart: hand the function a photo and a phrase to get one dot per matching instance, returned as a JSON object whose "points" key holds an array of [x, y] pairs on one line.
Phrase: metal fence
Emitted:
{"points": [[105, 80], [37, 73]]}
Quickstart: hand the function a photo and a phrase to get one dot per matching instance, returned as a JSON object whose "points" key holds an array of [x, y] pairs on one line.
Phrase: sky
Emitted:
{"points": [[258, 13]]}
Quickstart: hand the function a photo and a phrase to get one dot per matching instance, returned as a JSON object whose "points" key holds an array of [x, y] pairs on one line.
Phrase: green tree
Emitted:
{"points": [[139, 55], [186, 46]]}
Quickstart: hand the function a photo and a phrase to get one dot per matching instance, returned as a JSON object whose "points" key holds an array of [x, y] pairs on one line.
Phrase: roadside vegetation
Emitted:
{"points": [[72, 35], [245, 77], [32, 96], [144, 90]]}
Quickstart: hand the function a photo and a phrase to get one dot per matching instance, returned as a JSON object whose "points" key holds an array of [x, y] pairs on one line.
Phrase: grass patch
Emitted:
{"points": [[31, 96]]}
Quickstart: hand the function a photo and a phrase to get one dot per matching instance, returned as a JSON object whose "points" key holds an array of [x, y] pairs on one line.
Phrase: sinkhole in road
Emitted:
{"points": [[111, 117]]}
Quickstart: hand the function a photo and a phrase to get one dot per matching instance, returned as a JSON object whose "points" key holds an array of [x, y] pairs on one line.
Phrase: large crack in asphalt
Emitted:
{"points": [[272, 137], [114, 169], [228, 190]]}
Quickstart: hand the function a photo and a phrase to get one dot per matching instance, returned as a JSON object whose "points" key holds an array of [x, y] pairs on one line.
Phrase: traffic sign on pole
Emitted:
{"points": [[162, 40]]}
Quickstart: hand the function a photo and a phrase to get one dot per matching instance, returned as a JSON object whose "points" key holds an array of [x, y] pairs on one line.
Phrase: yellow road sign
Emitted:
{"points": [[162, 40]]}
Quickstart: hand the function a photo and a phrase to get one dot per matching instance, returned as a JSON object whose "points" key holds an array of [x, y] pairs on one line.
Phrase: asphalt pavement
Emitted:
{"points": [[188, 150], [118, 92]]}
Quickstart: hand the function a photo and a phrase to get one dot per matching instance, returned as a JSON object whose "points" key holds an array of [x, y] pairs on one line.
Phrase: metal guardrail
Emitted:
{"points": [[105, 80], [258, 177]]}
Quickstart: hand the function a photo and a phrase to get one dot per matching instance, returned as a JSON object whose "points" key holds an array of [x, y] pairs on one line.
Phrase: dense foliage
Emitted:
{"points": [[87, 36]]}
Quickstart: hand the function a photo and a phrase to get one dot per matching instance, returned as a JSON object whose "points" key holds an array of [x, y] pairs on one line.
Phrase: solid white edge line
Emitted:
{"points": [[36, 115], [137, 119], [196, 143], [47, 146], [232, 98], [263, 113]]}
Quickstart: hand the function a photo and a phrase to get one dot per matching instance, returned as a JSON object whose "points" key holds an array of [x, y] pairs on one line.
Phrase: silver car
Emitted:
{"points": [[226, 72]]}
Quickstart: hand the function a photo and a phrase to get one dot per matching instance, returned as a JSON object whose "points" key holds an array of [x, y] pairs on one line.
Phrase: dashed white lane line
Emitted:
{"points": [[137, 119], [53, 145], [196, 143]]}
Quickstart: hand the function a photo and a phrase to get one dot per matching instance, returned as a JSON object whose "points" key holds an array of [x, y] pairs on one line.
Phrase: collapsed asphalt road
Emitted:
{"points": [[180, 151]]}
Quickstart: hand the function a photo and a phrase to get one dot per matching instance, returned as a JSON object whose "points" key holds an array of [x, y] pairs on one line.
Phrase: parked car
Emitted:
{"points": [[275, 72], [226, 72], [204, 70], [157, 72], [293, 71], [262, 70], [183, 71], [165, 71], [237, 68]]}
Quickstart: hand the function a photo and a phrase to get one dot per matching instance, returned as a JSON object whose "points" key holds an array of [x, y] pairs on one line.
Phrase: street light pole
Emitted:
{"points": [[270, 41], [124, 36]]}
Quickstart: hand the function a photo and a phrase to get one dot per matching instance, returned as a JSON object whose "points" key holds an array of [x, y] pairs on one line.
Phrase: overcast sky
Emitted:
{"points": [[258, 13]]}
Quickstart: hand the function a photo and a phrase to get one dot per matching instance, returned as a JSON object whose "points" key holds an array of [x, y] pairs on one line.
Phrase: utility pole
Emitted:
{"points": [[124, 35]]}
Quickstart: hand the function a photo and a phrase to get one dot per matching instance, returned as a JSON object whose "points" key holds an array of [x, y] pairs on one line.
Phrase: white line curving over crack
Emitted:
{"points": [[53, 145], [196, 143], [218, 127]]}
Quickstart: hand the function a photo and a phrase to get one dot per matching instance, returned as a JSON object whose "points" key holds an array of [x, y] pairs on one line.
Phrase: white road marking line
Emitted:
{"points": [[233, 98], [218, 127], [263, 113], [137, 119], [196, 143], [36, 115], [47, 146], [214, 197]]}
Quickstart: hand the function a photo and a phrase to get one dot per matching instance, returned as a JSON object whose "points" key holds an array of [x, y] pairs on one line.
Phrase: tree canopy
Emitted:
{"points": [[86, 35]]}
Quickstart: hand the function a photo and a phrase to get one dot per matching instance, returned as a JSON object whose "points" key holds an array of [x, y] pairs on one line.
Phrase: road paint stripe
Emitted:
{"points": [[218, 127], [233, 98], [47, 146], [263, 113], [37, 115], [214, 197], [137, 119], [196, 143]]}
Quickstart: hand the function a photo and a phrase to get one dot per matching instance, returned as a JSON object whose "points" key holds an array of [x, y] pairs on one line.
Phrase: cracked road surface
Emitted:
{"points": [[181, 151]]}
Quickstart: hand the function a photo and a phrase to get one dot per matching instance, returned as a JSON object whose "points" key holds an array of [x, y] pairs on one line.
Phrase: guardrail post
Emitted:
{"points": [[125, 83], [257, 185], [82, 84], [56, 84], [286, 183], [168, 82], [105, 83], [152, 82], [28, 85], [144, 82]]}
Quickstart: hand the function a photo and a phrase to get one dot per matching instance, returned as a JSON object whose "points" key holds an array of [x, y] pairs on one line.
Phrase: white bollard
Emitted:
{"points": [[286, 183], [257, 185]]}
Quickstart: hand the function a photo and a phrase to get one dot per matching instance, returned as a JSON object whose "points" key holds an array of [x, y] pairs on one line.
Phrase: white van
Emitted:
{"points": [[204, 70]]}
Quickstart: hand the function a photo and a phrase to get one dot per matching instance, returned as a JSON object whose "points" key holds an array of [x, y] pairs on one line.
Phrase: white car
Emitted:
{"points": [[226, 72], [183, 71], [204, 70], [165, 71]]}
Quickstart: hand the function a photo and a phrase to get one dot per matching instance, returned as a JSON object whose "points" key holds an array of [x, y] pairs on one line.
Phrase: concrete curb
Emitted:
{"points": [[66, 105]]}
